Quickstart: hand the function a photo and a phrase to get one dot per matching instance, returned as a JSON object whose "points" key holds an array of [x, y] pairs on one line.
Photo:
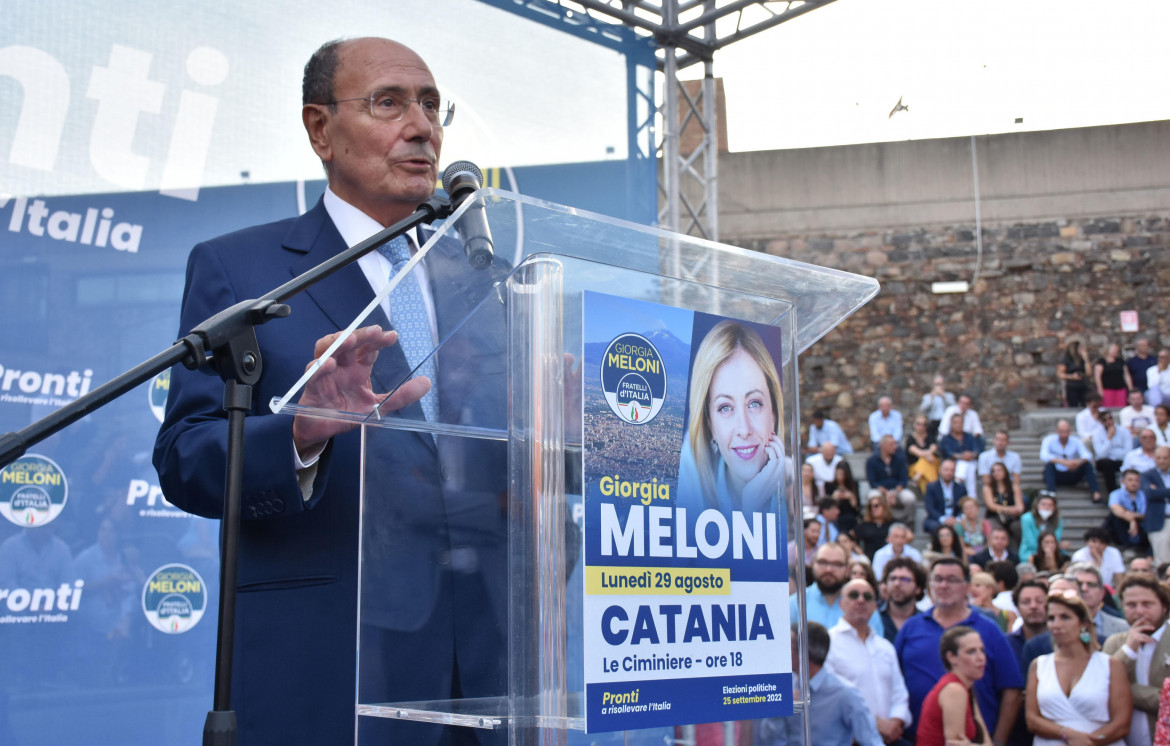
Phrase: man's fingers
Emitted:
{"points": [[408, 393]]}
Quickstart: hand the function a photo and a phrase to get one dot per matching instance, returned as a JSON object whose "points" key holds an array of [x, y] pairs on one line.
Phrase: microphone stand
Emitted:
{"points": [[227, 343]]}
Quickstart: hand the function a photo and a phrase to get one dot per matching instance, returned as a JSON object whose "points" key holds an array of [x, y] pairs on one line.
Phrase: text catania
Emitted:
{"points": [[659, 531], [667, 623]]}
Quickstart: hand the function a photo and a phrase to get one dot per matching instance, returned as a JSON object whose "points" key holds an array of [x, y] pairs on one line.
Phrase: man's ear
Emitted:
{"points": [[316, 118]]}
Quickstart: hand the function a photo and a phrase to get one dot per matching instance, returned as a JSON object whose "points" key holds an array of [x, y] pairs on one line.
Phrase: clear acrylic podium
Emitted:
{"points": [[470, 577]]}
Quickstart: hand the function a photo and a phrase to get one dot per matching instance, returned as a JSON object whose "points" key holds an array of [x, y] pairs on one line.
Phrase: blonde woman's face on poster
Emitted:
{"points": [[742, 416]]}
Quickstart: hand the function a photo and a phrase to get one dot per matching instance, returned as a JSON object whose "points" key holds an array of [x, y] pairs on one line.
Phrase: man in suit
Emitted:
{"points": [[375, 118], [997, 549], [1144, 650], [1155, 483], [942, 498]]}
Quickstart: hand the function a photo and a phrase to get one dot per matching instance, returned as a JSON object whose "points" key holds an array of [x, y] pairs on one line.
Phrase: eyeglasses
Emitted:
{"points": [[854, 595], [1088, 584], [391, 106], [948, 580]]}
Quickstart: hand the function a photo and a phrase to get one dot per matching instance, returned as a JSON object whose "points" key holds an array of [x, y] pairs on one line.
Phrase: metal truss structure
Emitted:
{"points": [[685, 32]]}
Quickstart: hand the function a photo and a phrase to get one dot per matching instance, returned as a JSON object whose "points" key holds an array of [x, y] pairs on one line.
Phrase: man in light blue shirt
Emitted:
{"points": [[885, 420], [1127, 510], [837, 713], [999, 454], [822, 600], [823, 429], [1067, 461]]}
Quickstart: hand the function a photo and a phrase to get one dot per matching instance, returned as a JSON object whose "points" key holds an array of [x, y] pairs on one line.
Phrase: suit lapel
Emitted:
{"points": [[345, 294]]}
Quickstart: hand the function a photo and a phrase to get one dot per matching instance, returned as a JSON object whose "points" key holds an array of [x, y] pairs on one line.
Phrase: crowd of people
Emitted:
{"points": [[996, 632]]}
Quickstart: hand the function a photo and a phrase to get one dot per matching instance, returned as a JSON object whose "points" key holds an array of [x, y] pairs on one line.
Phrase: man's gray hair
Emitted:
{"points": [[1077, 568]]}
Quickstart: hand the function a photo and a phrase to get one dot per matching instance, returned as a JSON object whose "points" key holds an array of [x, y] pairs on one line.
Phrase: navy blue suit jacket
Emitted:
{"points": [[297, 604], [1157, 494], [936, 504]]}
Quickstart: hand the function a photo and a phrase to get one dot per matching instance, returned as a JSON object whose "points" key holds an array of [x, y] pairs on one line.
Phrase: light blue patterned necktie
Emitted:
{"points": [[408, 316]]}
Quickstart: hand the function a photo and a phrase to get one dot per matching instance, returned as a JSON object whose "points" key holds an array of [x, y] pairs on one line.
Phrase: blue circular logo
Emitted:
{"points": [[633, 378]]}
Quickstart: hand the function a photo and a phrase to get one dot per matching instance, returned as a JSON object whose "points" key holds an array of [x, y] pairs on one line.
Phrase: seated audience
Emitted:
{"points": [[1158, 380], [1141, 459], [1106, 618], [1144, 650], [983, 591], [1066, 461], [824, 430], [1127, 511], [971, 424], [824, 465], [944, 542], [1097, 552], [961, 447], [836, 714], [935, 402], [1137, 415], [885, 420], [887, 475], [1049, 557], [1000, 453], [846, 493], [898, 546], [1111, 444], [1088, 420], [1004, 501], [872, 531], [972, 530], [942, 498], [827, 512], [867, 660], [997, 549], [1044, 516], [922, 457], [1076, 694]]}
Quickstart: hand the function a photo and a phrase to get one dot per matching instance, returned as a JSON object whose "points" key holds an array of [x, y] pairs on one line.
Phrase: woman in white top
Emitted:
{"points": [[1076, 694]]}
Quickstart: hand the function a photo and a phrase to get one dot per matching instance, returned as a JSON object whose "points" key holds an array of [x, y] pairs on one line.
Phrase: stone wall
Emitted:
{"points": [[1040, 284]]}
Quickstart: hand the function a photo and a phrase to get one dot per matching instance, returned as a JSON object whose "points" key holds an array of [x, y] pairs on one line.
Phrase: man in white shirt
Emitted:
{"points": [[1088, 420], [1144, 651], [1158, 380], [823, 429], [999, 454], [1141, 459], [824, 466], [1161, 426], [1067, 461], [885, 420], [898, 546], [1138, 415], [935, 402], [868, 661], [971, 423], [1098, 552]]}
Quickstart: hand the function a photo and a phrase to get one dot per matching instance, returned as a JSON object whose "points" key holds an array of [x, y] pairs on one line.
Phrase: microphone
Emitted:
{"points": [[460, 179]]}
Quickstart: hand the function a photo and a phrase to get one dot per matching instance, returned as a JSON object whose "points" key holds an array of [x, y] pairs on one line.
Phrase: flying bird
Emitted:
{"points": [[897, 108]]}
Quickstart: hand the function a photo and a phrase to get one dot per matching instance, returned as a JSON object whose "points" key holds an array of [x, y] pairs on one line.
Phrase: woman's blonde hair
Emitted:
{"points": [[721, 343]]}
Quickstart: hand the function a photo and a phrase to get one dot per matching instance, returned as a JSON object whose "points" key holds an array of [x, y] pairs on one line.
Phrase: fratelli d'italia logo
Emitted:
{"points": [[33, 490], [174, 599], [157, 391], [633, 378]]}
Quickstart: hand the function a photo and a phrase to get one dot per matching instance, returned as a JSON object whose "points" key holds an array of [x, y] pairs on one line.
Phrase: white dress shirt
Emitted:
{"points": [[823, 472], [871, 665], [971, 422]]}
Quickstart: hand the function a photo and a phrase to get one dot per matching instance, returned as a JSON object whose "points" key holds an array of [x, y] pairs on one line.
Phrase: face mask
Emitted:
{"points": [[1045, 514]]}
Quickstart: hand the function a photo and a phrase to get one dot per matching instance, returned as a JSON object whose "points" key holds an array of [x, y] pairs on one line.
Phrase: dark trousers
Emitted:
{"points": [[1054, 478], [1109, 469], [1119, 530]]}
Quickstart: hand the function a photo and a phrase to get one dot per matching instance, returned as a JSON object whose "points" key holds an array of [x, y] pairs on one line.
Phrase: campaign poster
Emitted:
{"points": [[685, 610]]}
